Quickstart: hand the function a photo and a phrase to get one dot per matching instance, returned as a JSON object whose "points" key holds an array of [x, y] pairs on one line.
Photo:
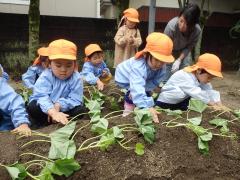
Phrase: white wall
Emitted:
{"points": [[72, 8], [226, 6]]}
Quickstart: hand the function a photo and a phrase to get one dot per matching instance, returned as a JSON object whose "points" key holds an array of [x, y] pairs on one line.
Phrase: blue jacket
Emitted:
{"points": [[49, 90], [92, 73], [29, 78], [12, 107], [4, 74], [138, 77]]}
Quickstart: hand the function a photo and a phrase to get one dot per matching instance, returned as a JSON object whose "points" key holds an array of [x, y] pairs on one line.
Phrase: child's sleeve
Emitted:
{"points": [[29, 77], [4, 74], [137, 39], [106, 68], [75, 97], [137, 89], [88, 73], [154, 82], [12, 104], [42, 90], [120, 38]]}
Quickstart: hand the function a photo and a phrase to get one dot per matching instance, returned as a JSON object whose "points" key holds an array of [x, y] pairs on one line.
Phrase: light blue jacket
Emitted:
{"points": [[12, 107], [183, 85], [49, 90], [29, 78], [4, 74], [137, 76], [92, 73]]}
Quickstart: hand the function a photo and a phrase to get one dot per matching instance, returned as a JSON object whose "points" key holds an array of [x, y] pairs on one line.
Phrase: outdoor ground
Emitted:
{"points": [[173, 155]]}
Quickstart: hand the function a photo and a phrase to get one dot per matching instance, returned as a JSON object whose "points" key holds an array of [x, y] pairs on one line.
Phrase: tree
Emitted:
{"points": [[34, 23]]}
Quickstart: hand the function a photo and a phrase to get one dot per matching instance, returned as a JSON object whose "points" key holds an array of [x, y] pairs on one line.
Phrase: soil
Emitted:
{"points": [[173, 155]]}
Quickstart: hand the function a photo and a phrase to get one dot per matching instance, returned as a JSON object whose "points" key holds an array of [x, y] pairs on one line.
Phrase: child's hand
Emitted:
{"points": [[57, 106], [23, 129], [104, 73], [131, 40], [58, 116], [100, 85], [154, 113]]}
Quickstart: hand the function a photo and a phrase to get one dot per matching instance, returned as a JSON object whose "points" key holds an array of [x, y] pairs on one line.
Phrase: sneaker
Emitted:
{"points": [[128, 108]]}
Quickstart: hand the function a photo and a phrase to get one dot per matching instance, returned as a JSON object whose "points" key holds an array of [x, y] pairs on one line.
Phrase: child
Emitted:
{"points": [[192, 81], [184, 31], [3, 74], [95, 70], [12, 110], [58, 92], [128, 38], [142, 73], [29, 78]]}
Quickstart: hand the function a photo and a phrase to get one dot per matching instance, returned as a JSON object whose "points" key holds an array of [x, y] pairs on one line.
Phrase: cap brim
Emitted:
{"points": [[133, 19], [163, 58], [43, 51], [62, 56], [214, 73]]}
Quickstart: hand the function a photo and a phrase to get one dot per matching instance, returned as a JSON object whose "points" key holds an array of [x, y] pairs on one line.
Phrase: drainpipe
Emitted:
{"points": [[151, 19], [98, 9]]}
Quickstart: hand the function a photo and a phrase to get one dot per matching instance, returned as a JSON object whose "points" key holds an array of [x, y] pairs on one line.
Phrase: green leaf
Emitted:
{"points": [[196, 120], [148, 133], [64, 167], [142, 116], [197, 105], [237, 113], [93, 105], [113, 103], [198, 130], [95, 118], [17, 171], [139, 149], [45, 174], [64, 132], [224, 129], [106, 140], [206, 137], [100, 127], [117, 132], [203, 146], [219, 122]]}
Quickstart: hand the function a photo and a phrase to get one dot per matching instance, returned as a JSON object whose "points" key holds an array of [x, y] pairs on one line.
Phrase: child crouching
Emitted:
{"points": [[192, 81], [58, 92], [95, 70]]}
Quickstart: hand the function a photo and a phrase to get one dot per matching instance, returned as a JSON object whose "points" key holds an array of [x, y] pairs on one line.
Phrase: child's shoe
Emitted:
{"points": [[128, 108]]}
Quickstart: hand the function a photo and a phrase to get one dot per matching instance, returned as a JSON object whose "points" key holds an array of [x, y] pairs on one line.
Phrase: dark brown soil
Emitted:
{"points": [[174, 155]]}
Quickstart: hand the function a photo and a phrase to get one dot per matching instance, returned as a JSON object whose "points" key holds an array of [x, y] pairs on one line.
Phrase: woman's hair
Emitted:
{"points": [[191, 13]]}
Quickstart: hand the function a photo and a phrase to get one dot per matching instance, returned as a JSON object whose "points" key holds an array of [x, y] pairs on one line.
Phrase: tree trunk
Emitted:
{"points": [[34, 23]]}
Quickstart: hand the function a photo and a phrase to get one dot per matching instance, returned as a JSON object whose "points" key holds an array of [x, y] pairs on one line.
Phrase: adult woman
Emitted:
{"points": [[184, 31]]}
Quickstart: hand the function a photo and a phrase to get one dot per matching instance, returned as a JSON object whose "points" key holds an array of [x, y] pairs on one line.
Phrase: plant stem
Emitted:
{"points": [[37, 140], [124, 147], [80, 130], [76, 117], [23, 154], [89, 140], [33, 161], [113, 113], [33, 177], [82, 149], [38, 164], [36, 133], [122, 125], [129, 140], [130, 128]]}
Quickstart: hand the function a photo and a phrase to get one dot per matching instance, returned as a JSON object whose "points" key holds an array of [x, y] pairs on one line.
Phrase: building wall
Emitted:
{"points": [[68, 8], [215, 5]]}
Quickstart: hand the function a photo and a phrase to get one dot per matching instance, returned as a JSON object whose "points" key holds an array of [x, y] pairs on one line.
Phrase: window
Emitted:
{"points": [[23, 2]]}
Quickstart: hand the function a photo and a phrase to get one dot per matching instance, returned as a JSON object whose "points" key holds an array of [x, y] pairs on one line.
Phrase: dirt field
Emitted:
{"points": [[173, 155]]}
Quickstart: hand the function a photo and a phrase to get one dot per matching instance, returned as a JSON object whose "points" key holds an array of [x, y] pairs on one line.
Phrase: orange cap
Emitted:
{"points": [[159, 46], [43, 51], [131, 14], [209, 62], [62, 49], [91, 48]]}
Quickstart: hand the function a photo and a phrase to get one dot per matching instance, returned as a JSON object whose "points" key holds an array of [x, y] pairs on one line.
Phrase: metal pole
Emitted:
{"points": [[151, 19]]}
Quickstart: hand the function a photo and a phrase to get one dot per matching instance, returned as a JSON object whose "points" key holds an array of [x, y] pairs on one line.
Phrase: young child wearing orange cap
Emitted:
{"points": [[192, 81], [95, 70], [58, 92], [128, 37], [40, 63], [143, 73]]}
